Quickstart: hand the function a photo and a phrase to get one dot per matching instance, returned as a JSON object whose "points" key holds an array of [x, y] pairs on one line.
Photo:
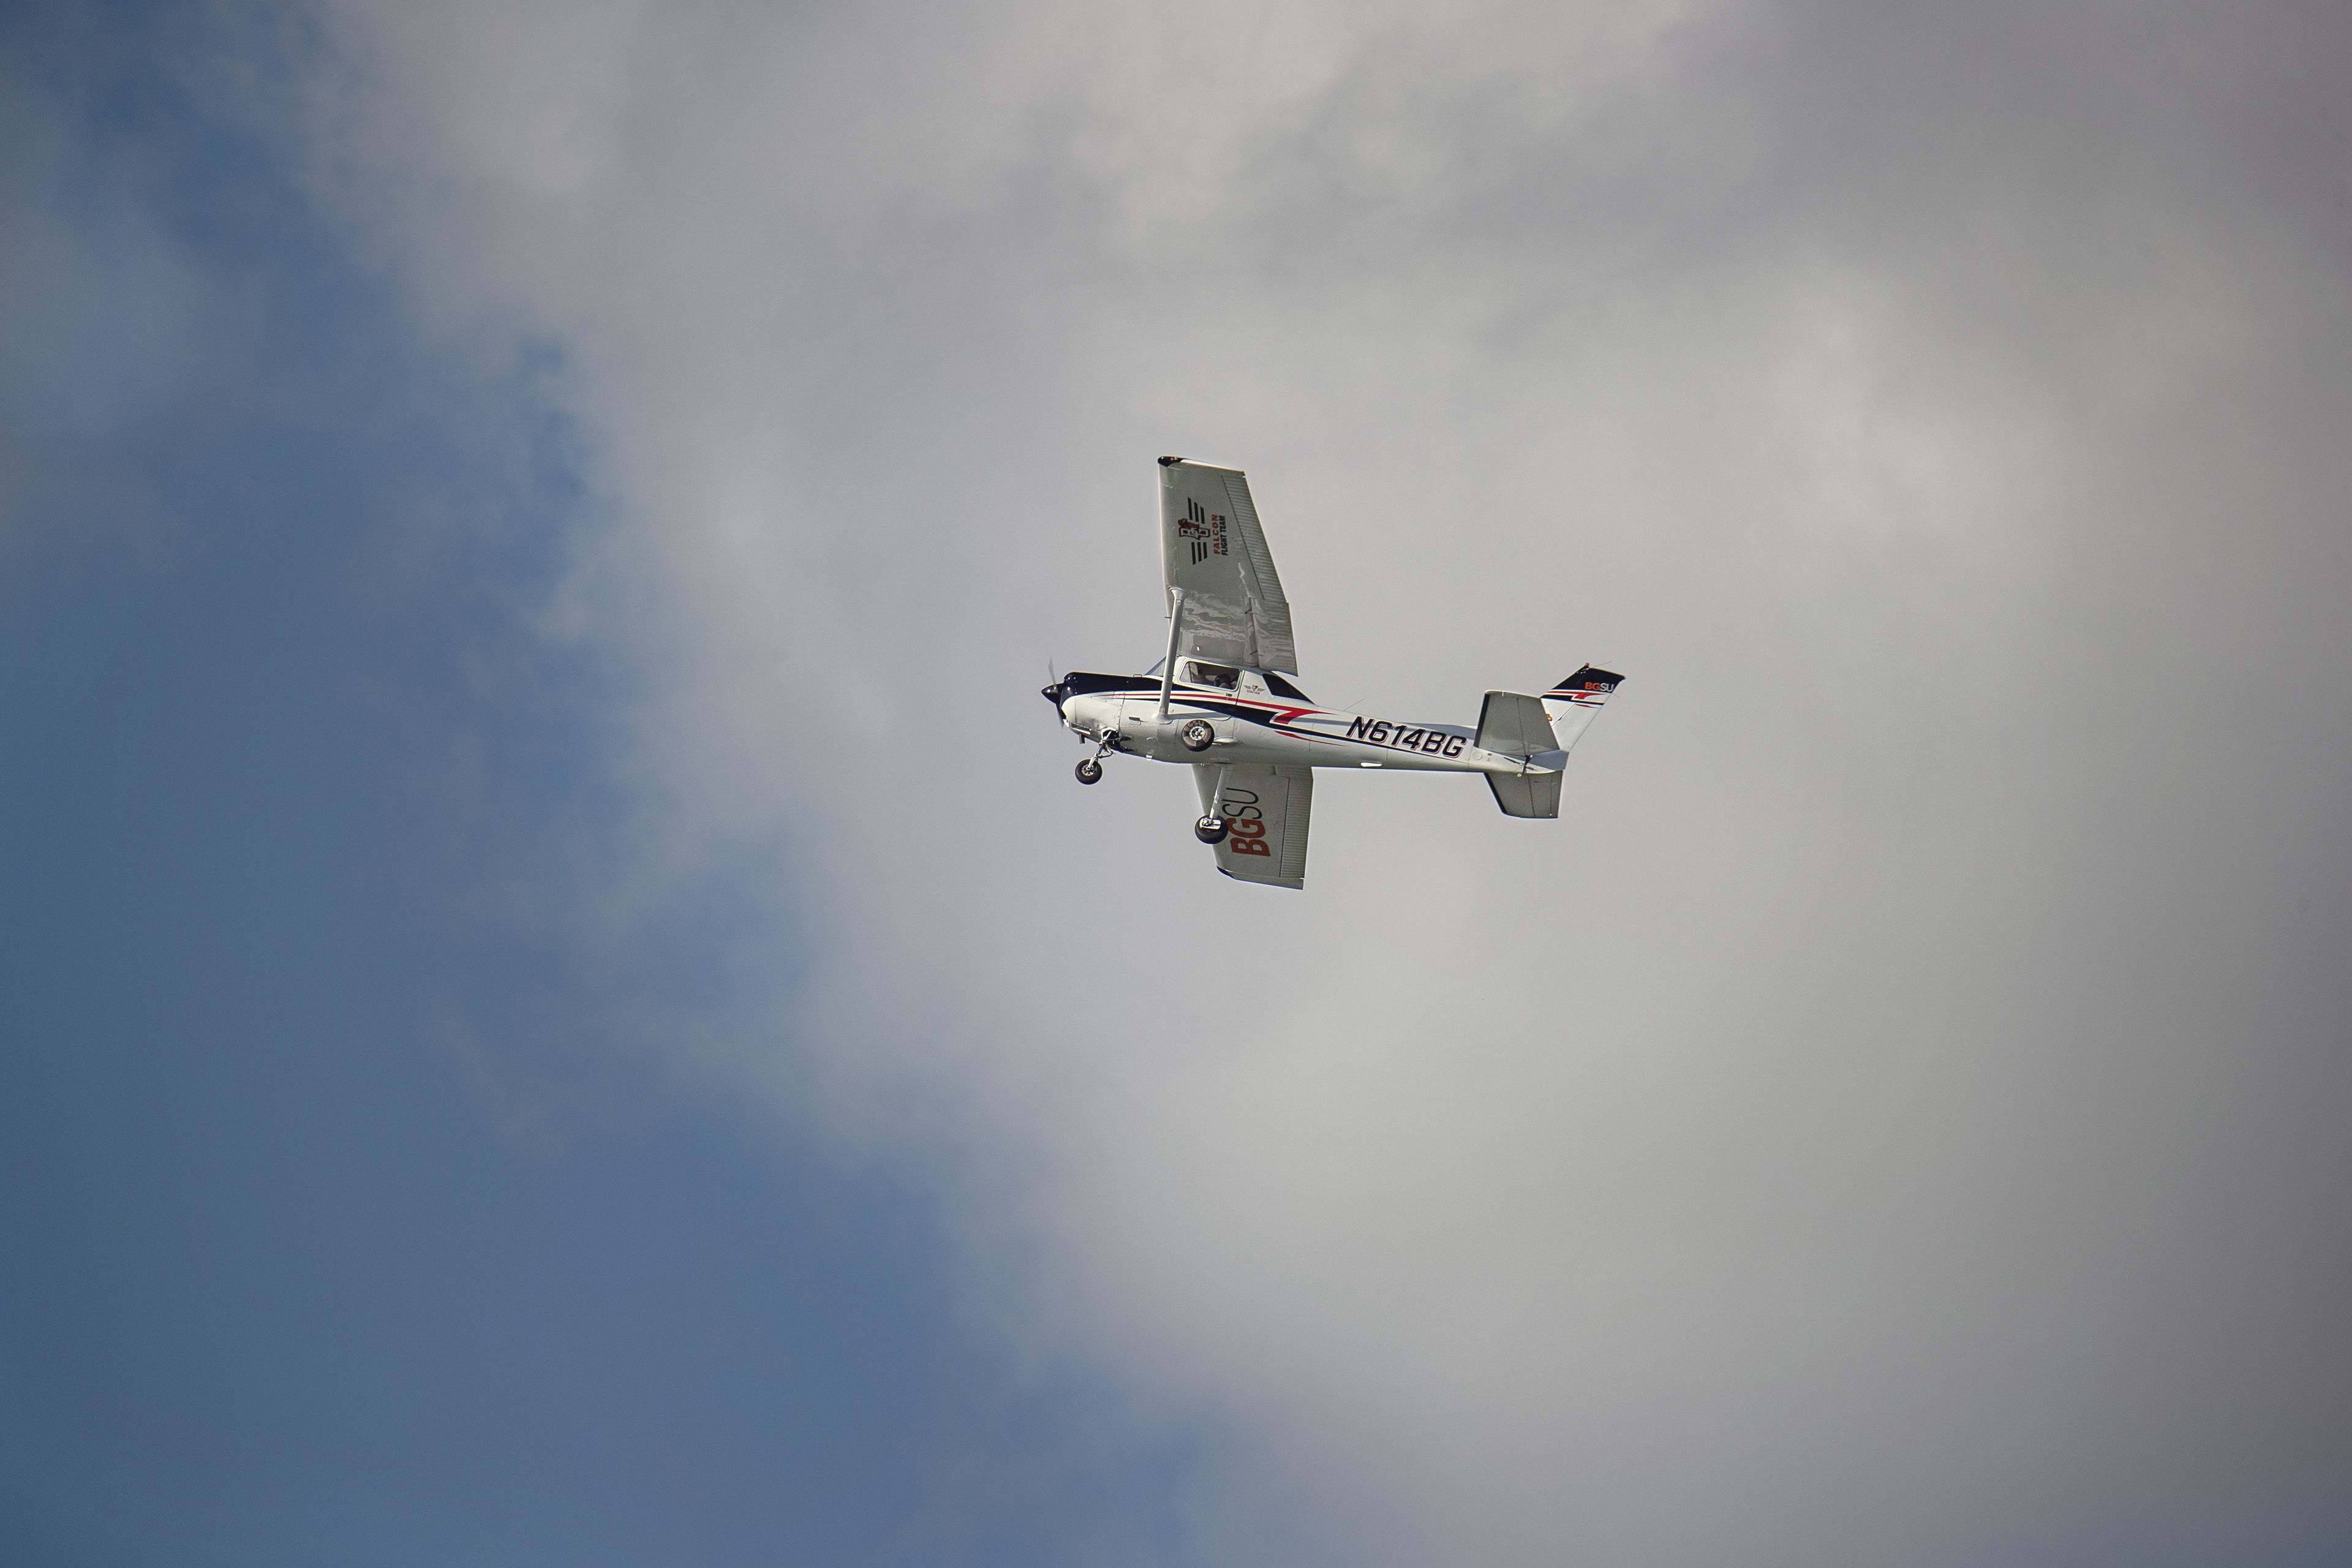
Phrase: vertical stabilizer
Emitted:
{"points": [[1571, 705]]}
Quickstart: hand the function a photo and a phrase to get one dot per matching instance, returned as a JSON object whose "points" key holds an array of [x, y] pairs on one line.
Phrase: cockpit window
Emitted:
{"points": [[1201, 674], [1282, 687]]}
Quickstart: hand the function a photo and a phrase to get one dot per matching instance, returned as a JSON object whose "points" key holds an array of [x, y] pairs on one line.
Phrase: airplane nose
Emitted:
{"points": [[1054, 694]]}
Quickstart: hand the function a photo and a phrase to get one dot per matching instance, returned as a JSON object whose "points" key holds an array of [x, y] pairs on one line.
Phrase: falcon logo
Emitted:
{"points": [[1203, 530]]}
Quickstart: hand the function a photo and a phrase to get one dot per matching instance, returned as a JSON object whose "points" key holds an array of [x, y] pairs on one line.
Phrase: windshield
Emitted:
{"points": [[1282, 687]]}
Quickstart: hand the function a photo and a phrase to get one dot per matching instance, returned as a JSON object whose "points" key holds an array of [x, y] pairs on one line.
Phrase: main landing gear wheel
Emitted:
{"points": [[1198, 734], [1210, 830], [1090, 771]]}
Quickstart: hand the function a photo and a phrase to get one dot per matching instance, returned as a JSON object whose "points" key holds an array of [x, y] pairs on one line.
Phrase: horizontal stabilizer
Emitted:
{"points": [[1514, 725], [1525, 795]]}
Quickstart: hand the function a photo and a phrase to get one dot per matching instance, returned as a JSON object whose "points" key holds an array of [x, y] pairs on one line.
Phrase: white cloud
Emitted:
{"points": [[1844, 1138]]}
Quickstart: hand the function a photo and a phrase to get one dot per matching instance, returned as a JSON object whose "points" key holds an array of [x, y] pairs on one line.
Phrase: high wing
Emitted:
{"points": [[1265, 810], [1212, 547]]}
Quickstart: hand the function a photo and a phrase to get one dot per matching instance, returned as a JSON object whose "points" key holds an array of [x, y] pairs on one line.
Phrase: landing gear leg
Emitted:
{"points": [[1212, 828], [1090, 771]]}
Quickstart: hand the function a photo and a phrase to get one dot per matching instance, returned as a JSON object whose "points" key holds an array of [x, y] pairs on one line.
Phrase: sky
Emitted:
{"points": [[558, 1002]]}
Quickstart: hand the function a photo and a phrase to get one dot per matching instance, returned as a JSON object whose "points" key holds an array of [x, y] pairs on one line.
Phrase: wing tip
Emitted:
{"points": [[1296, 884]]}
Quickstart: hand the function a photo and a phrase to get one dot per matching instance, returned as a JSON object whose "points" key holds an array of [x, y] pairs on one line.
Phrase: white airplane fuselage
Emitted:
{"points": [[1262, 718]]}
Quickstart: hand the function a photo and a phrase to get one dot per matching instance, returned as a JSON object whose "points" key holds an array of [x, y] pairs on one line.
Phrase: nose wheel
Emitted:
{"points": [[1210, 830], [1105, 742]]}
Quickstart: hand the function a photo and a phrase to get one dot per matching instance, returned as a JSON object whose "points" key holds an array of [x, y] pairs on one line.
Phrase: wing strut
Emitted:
{"points": [[1168, 665]]}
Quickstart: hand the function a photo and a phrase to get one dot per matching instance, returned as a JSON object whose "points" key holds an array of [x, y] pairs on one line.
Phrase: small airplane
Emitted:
{"points": [[1219, 700]]}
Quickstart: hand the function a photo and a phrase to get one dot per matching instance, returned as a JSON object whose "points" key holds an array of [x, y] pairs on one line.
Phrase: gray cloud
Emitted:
{"points": [[1895, 1119]]}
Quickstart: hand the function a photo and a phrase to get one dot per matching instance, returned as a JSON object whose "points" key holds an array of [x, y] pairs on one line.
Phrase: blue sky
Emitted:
{"points": [[299, 1271], [558, 1004]]}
